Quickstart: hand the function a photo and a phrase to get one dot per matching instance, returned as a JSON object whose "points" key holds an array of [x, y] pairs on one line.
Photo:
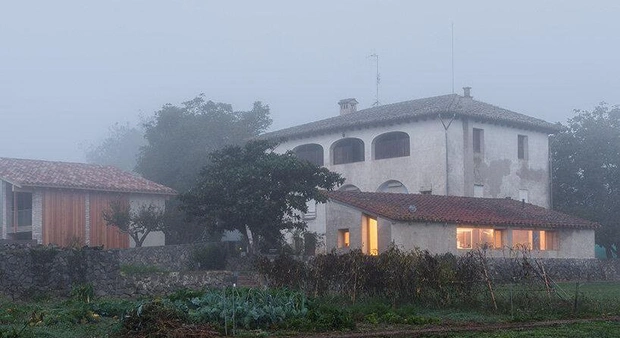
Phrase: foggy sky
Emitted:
{"points": [[70, 69]]}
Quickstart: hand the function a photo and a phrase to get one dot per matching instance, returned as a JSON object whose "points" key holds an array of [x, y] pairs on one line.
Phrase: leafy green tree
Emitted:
{"points": [[586, 171], [137, 224], [120, 148], [257, 191], [180, 138]]}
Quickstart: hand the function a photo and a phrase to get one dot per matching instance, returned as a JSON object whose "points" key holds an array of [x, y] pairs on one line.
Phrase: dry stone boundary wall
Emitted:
{"points": [[30, 270]]}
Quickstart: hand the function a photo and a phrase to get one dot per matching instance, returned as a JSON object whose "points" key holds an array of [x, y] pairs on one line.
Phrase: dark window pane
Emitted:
{"points": [[348, 151], [312, 153], [391, 145]]}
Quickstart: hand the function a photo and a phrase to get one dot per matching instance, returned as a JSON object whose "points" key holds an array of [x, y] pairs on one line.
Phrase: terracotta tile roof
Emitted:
{"points": [[49, 174], [458, 210], [412, 110]]}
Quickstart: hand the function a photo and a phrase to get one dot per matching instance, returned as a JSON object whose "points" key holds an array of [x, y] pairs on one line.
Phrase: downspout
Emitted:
{"points": [[445, 128]]}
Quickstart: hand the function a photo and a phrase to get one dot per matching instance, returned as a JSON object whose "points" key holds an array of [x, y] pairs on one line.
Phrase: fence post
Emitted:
{"points": [[576, 297]]}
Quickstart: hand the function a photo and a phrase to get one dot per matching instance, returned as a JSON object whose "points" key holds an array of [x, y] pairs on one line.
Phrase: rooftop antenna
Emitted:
{"points": [[375, 56], [452, 51]]}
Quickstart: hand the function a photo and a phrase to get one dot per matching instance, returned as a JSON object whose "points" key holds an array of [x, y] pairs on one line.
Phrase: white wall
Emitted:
{"points": [[425, 167], [154, 238]]}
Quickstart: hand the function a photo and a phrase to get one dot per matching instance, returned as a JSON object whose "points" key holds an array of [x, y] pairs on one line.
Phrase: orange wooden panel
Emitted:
{"points": [[100, 232], [64, 217]]}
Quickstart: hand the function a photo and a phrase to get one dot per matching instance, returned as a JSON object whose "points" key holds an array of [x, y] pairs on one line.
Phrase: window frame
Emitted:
{"points": [[313, 150], [393, 144], [355, 154]]}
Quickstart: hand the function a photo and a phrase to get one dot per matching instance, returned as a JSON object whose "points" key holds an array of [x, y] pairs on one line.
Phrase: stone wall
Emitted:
{"points": [[170, 258], [559, 269], [31, 270]]}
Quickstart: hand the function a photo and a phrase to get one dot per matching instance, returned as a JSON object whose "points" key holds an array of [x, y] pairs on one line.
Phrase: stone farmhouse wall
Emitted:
{"points": [[32, 270]]}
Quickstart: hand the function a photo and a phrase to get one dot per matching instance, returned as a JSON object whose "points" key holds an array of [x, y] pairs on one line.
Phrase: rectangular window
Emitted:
{"points": [[522, 239], [344, 240], [478, 141], [549, 240], [522, 147], [370, 236], [478, 190], [498, 239], [311, 213], [471, 238]]}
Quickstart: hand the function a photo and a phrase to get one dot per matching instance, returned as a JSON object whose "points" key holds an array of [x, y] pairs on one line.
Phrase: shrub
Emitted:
{"points": [[211, 256]]}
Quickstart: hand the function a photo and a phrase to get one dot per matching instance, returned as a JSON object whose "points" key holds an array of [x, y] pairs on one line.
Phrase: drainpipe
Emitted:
{"points": [[445, 129]]}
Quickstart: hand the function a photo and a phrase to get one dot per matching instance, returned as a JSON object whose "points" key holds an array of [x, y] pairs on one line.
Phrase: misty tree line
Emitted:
{"points": [[174, 145]]}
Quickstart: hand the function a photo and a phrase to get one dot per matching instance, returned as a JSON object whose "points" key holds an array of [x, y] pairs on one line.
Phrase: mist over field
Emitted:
{"points": [[71, 69]]}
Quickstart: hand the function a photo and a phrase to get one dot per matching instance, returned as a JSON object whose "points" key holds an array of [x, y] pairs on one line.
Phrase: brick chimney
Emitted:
{"points": [[467, 92], [348, 106]]}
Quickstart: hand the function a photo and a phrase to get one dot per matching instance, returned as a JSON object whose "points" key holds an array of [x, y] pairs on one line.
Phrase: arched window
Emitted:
{"points": [[348, 150], [349, 187], [393, 186], [312, 153], [388, 145]]}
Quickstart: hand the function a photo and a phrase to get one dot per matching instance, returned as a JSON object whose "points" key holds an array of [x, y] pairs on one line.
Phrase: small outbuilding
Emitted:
{"points": [[61, 203], [372, 221]]}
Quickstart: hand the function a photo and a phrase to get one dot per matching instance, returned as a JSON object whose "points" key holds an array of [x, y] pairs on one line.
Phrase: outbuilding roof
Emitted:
{"points": [[445, 105], [52, 174], [458, 210]]}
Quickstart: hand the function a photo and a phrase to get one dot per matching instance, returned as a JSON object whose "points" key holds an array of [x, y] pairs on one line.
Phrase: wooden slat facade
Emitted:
{"points": [[64, 219], [100, 233]]}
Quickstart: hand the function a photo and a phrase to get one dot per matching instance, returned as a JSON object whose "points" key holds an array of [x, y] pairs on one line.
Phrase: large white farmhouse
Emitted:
{"points": [[448, 145]]}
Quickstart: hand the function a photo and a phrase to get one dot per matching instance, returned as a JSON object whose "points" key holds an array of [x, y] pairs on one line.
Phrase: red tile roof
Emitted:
{"points": [[458, 210], [49, 174]]}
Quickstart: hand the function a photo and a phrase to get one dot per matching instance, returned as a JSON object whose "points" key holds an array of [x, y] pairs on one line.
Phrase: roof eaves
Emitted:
{"points": [[134, 191]]}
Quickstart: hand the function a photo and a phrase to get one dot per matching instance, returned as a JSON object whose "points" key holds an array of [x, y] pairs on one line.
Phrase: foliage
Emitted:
{"points": [[398, 276], [137, 224], [211, 256], [83, 292], [120, 148], [152, 319], [586, 171], [247, 308], [256, 191], [180, 138]]}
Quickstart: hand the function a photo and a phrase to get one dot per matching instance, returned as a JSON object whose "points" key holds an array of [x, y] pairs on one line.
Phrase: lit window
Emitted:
{"points": [[343, 238], [389, 145], [370, 239], [522, 147], [549, 240], [522, 239], [471, 238]]}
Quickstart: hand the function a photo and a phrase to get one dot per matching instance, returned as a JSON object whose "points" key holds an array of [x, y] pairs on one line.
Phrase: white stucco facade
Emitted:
{"points": [[496, 170], [440, 238], [137, 201]]}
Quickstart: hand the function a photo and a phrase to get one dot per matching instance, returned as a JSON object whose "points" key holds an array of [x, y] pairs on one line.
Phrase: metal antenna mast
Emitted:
{"points": [[452, 50], [378, 80]]}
